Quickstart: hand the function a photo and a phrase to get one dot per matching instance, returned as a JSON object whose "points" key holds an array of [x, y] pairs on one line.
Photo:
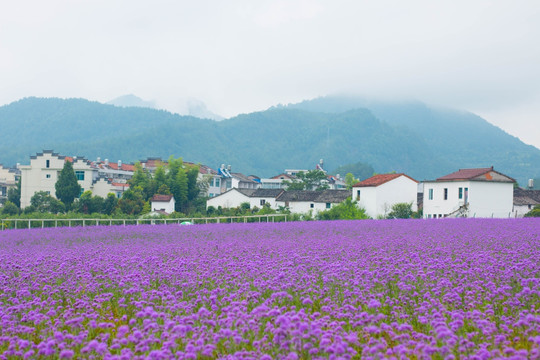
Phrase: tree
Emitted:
{"points": [[9, 208], [67, 187], [132, 201], [401, 211], [347, 210], [89, 204], [164, 190], [313, 179], [109, 204], [535, 212], [350, 180], [42, 202], [14, 194]]}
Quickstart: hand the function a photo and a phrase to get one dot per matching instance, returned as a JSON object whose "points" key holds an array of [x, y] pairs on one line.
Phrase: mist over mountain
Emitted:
{"points": [[131, 100], [410, 137]]}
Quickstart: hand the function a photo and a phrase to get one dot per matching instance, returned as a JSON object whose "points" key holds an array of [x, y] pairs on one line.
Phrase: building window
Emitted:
{"points": [[47, 163], [228, 183], [48, 176], [263, 202], [80, 175], [445, 193], [430, 194], [82, 190], [357, 195], [119, 194], [328, 205], [311, 205], [460, 195], [429, 216], [217, 182]]}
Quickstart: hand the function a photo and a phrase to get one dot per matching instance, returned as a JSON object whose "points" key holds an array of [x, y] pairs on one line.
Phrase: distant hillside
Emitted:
{"points": [[413, 138], [132, 101]]}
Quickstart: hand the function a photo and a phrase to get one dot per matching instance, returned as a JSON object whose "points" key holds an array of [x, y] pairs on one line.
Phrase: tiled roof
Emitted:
{"points": [[465, 174], [282, 176], [526, 197], [333, 196], [120, 184], [242, 177], [380, 179], [159, 197], [125, 167], [267, 193]]}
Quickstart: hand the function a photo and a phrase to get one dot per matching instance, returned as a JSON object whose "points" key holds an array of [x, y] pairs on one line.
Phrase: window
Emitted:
{"points": [[47, 163], [263, 202], [217, 182], [228, 183], [460, 195], [357, 195], [445, 193], [311, 205], [430, 194], [48, 176], [429, 216], [211, 195], [80, 175], [328, 205], [466, 194], [82, 190], [119, 194], [48, 192]]}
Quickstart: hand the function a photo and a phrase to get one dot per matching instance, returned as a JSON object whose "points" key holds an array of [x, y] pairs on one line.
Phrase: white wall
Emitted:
{"points": [[378, 200], [256, 201], [521, 210], [486, 198], [491, 199], [229, 199], [167, 206]]}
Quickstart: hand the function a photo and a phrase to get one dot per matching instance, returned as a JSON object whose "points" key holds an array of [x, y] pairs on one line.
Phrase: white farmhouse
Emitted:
{"points": [[163, 203], [304, 201], [255, 197], [481, 192], [8, 180], [379, 193], [524, 201]]}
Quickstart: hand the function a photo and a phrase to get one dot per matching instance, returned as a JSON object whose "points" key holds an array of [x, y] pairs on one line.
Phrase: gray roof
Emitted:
{"points": [[261, 192], [331, 196], [243, 177], [526, 197]]}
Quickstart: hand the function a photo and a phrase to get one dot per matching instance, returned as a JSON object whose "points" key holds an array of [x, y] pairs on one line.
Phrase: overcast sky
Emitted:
{"points": [[240, 56]]}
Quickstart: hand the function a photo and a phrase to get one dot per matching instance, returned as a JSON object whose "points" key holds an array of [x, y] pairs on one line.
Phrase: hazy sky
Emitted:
{"points": [[244, 55]]}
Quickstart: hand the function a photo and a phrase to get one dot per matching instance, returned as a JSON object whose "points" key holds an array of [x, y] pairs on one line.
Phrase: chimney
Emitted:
{"points": [[98, 160], [107, 162], [119, 164], [530, 184]]}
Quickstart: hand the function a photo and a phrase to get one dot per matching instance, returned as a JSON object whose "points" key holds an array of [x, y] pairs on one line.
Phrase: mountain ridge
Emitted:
{"points": [[416, 139]]}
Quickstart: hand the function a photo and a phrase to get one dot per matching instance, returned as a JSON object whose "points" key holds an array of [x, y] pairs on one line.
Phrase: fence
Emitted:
{"points": [[50, 223]]}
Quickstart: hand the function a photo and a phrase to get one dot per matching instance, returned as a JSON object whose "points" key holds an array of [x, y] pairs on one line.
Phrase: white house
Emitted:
{"points": [[379, 193], [99, 177], [303, 201], [163, 203], [255, 197], [8, 180], [481, 192], [524, 201]]}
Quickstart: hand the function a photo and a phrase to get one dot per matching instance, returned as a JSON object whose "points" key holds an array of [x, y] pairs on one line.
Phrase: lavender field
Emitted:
{"points": [[412, 289]]}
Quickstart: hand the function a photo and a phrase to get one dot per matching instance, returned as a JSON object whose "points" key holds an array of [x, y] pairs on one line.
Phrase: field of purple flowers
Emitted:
{"points": [[447, 289]]}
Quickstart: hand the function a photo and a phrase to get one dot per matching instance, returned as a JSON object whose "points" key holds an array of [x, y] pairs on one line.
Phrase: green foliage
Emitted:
{"points": [[9, 209], [88, 204], [358, 170], [164, 190], [313, 179], [43, 202], [350, 180], [401, 211], [132, 201], [67, 188], [347, 210], [535, 212], [110, 204], [14, 194]]}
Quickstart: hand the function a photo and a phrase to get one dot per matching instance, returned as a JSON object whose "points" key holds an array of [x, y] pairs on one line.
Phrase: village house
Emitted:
{"points": [[481, 192], [99, 177], [163, 203], [524, 201], [377, 194], [8, 180], [304, 201], [255, 197]]}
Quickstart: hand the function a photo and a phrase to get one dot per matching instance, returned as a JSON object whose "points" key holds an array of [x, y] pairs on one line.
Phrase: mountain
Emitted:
{"points": [[132, 101], [414, 138]]}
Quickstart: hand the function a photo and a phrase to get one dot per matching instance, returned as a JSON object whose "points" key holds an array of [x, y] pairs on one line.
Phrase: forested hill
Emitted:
{"points": [[412, 138]]}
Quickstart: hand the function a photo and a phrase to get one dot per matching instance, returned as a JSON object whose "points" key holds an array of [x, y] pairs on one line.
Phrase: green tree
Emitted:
{"points": [[350, 180], [180, 191], [67, 187], [313, 179], [42, 202], [401, 211], [9, 209], [535, 212], [14, 194], [193, 190], [347, 210], [110, 203], [163, 190], [132, 201]]}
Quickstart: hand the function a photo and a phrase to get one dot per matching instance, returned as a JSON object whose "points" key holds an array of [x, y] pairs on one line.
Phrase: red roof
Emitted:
{"points": [[125, 167], [465, 174], [119, 184], [159, 197], [380, 179]]}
